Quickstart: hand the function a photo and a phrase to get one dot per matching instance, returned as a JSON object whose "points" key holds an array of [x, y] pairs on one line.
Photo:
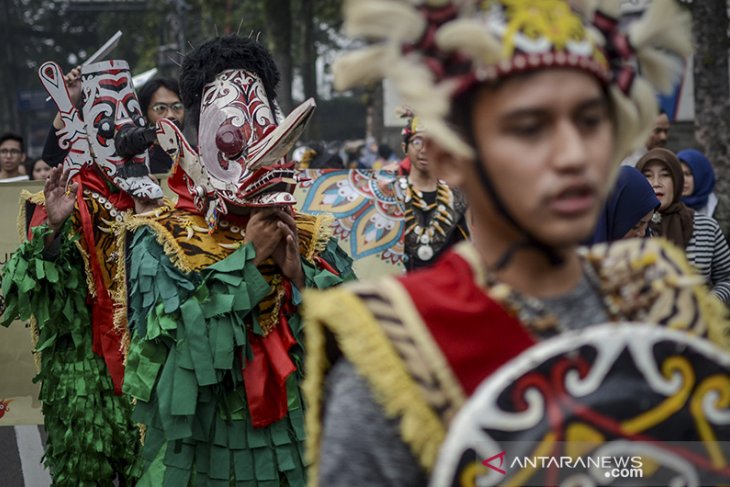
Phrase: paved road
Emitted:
{"points": [[21, 450]]}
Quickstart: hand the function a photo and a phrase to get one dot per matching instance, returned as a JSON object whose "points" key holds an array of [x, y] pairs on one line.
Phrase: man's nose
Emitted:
{"points": [[570, 148]]}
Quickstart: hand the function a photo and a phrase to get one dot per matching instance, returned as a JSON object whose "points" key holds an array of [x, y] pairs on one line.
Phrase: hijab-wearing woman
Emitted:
{"points": [[628, 209], [699, 235], [699, 181]]}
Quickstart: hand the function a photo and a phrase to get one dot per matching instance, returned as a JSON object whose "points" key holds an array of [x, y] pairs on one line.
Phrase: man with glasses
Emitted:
{"points": [[160, 98], [12, 157]]}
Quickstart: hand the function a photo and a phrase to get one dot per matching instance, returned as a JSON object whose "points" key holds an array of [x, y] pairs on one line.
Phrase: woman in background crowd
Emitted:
{"points": [[699, 188], [39, 170], [628, 209], [699, 235]]}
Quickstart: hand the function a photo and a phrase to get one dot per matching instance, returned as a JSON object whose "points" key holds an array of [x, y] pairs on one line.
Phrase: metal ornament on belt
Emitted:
{"points": [[617, 404]]}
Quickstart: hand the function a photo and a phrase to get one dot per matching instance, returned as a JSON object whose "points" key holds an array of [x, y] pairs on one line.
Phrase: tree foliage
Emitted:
{"points": [[298, 33]]}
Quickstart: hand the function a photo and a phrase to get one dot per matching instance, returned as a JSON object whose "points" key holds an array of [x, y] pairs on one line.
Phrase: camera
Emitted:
{"points": [[131, 140]]}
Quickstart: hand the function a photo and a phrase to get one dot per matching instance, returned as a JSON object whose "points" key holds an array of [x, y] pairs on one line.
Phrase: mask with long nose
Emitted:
{"points": [[241, 159], [242, 146]]}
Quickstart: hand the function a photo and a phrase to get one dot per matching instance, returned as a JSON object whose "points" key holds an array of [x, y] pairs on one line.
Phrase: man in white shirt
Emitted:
{"points": [[658, 138]]}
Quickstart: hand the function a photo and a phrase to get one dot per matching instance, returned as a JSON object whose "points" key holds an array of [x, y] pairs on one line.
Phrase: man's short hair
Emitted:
{"points": [[13, 136], [149, 88]]}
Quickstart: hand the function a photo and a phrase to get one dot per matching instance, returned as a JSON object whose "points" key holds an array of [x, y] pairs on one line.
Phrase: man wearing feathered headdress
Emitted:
{"points": [[530, 105], [66, 275]]}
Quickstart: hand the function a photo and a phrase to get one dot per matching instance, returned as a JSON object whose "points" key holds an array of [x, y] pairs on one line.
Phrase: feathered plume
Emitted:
{"points": [[359, 67], [469, 37], [380, 19], [661, 38]]}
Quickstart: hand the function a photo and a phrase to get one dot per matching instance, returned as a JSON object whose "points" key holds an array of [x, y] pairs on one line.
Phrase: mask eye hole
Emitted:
{"points": [[106, 128]]}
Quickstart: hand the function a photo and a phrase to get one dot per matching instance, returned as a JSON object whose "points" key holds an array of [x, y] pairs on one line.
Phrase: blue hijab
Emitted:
{"points": [[632, 197], [704, 177]]}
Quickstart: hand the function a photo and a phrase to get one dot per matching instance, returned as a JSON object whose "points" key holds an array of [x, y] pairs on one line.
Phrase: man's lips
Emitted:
{"points": [[574, 201]]}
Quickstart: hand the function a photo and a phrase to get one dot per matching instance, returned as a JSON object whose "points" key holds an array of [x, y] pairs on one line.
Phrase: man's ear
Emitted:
{"points": [[448, 166]]}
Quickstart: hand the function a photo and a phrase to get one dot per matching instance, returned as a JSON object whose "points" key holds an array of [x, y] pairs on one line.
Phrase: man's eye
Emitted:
{"points": [[527, 130], [590, 121]]}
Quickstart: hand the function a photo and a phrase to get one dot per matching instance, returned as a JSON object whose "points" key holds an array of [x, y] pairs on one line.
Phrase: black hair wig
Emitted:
{"points": [[201, 66]]}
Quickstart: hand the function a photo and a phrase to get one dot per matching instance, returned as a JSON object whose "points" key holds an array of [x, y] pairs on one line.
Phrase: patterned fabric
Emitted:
{"points": [[646, 280], [206, 363], [575, 398], [708, 251]]}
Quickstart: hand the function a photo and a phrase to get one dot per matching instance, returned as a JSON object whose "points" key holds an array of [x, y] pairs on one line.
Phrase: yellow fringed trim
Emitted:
{"points": [[317, 232], [366, 346], [413, 322], [37, 198], [168, 242], [90, 284], [27, 197], [119, 295]]}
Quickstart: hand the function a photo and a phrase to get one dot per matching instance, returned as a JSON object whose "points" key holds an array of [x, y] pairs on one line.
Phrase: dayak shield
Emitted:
{"points": [[630, 404]]}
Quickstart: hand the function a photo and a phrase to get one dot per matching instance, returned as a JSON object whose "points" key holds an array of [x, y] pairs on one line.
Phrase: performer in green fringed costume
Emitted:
{"points": [[90, 436], [214, 285], [65, 279]]}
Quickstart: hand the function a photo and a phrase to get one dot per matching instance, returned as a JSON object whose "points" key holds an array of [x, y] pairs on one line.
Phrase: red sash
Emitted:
{"points": [[474, 332]]}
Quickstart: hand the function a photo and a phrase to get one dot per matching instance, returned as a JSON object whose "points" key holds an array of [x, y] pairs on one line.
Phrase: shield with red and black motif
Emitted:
{"points": [[630, 404]]}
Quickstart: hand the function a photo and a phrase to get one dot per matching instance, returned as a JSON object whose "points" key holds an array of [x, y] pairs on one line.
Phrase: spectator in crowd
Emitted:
{"points": [[628, 209], [12, 157], [699, 188], [699, 181], [39, 170], [160, 98], [657, 138], [699, 235]]}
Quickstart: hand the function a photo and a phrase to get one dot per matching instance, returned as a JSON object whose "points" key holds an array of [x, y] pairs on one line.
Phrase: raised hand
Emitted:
{"points": [[73, 84], [59, 201]]}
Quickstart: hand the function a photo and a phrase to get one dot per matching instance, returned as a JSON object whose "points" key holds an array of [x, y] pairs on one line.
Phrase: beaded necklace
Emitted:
{"points": [[532, 312], [435, 223]]}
